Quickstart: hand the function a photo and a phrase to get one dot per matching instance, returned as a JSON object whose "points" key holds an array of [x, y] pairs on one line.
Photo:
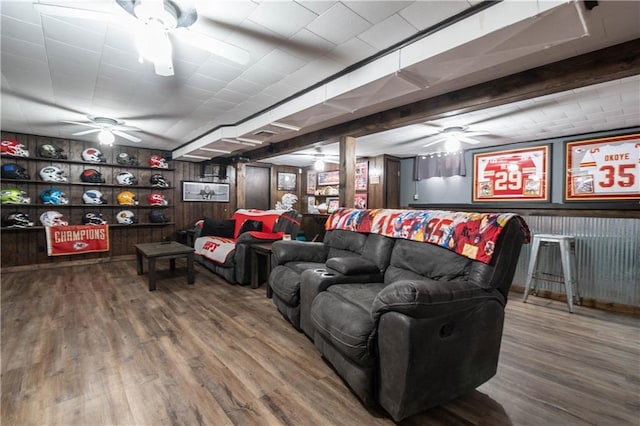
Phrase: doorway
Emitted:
{"points": [[257, 187]]}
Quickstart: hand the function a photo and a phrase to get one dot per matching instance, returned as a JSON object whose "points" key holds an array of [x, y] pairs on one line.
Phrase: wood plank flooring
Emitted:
{"points": [[90, 345]]}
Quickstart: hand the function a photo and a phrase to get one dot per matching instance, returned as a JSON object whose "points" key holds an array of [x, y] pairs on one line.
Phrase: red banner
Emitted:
{"points": [[77, 239]]}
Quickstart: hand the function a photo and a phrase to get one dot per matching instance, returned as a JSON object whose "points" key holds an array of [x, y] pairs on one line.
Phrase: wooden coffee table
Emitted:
{"points": [[163, 250]]}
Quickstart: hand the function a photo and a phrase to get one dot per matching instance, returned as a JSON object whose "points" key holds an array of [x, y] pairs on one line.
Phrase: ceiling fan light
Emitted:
{"points": [[318, 165], [106, 137], [452, 144]]}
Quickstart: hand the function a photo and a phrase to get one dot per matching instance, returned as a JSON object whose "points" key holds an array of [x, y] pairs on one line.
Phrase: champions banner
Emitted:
{"points": [[77, 239]]}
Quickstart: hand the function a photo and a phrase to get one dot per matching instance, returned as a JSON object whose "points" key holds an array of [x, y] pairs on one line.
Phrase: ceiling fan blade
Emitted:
{"points": [[127, 128], [86, 132], [433, 142], [164, 67], [95, 126], [73, 12], [468, 140], [477, 132], [211, 45], [126, 136]]}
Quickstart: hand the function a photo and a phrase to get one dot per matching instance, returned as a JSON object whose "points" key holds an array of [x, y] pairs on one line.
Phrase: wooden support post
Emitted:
{"points": [[347, 171]]}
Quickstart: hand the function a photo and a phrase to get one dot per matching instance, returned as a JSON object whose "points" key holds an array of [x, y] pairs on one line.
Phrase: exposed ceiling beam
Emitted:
{"points": [[612, 63]]}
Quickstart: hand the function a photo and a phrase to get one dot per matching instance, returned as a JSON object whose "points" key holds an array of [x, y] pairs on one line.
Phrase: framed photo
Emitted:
{"points": [[361, 201], [333, 204], [512, 175], [603, 169], [329, 178], [287, 181], [311, 182], [205, 192], [362, 172]]}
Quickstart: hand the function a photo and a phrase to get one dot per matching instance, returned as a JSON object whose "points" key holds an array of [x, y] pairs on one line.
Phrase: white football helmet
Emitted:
{"points": [[93, 155], [126, 178], [53, 218], [93, 196], [126, 217], [52, 174]]}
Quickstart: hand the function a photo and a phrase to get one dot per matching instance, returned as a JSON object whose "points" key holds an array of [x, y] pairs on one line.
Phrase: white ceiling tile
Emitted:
{"points": [[318, 7], [72, 35], [23, 48], [378, 36], [254, 38], [424, 14], [213, 68], [21, 30], [241, 85], [27, 76], [229, 96], [20, 10], [122, 59], [376, 11], [352, 51], [262, 76], [279, 90], [227, 11], [307, 45], [119, 38], [284, 18], [281, 62], [206, 83], [338, 24], [319, 69]]}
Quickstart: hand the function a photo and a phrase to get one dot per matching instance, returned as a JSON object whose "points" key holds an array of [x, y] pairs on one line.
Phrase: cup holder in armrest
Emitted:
{"points": [[328, 274], [320, 270]]}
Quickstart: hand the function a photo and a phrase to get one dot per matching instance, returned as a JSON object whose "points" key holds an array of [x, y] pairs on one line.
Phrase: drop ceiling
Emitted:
{"points": [[313, 64]]}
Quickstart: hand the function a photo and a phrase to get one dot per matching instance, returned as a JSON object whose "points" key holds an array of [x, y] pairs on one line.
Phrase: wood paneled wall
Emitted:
{"points": [[28, 247]]}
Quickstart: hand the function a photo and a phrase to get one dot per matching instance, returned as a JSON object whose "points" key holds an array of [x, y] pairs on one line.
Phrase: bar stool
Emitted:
{"points": [[567, 244]]}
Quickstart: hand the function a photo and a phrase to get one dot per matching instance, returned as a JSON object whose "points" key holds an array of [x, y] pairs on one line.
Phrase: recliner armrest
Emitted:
{"points": [[291, 251], [352, 265], [429, 298]]}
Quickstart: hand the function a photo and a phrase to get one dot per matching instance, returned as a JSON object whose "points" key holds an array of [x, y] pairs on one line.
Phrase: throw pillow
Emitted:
{"points": [[250, 225], [218, 228]]}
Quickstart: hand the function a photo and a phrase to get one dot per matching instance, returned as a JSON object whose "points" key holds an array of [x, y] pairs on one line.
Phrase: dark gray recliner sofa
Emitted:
{"points": [[426, 333], [343, 256]]}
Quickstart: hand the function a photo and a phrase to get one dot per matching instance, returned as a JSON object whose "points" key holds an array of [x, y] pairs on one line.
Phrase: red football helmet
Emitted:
{"points": [[157, 199], [158, 162], [14, 148]]}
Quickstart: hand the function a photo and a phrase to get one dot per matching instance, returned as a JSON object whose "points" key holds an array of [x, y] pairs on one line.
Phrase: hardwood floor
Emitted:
{"points": [[90, 345]]}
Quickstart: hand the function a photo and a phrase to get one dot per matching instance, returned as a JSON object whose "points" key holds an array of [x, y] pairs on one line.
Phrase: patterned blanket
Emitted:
{"points": [[472, 235]]}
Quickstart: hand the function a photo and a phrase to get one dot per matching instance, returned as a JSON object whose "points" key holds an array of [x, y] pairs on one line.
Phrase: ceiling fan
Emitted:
{"points": [[319, 158], [155, 23], [453, 137], [107, 129]]}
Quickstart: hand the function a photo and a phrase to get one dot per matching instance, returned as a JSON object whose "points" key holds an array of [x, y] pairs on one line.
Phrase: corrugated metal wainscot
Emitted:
{"points": [[607, 254]]}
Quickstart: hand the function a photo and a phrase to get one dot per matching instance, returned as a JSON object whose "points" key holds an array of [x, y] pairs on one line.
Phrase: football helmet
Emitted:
{"points": [[91, 176], [93, 155], [53, 196], [93, 196], [52, 174], [158, 162], [127, 198], [14, 196], [53, 218], [14, 171], [126, 178], [16, 220], [93, 217], [126, 217], [158, 181], [51, 151], [157, 199], [157, 216], [14, 148], [127, 159]]}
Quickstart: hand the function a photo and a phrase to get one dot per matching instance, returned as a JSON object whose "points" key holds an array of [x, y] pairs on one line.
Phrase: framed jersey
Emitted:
{"points": [[603, 169], [513, 175]]}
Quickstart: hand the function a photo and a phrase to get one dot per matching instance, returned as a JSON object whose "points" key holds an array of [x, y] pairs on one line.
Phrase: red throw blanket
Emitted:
{"points": [[472, 235]]}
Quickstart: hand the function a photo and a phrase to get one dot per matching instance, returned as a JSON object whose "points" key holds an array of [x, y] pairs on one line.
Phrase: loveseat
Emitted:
{"points": [[223, 246], [429, 330]]}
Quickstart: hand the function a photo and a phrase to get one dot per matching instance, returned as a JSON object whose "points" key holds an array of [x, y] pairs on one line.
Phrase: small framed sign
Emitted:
{"points": [[287, 181], [205, 192]]}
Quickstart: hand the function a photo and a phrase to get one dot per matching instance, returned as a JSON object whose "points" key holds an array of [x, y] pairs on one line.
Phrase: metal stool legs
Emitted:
{"points": [[568, 261]]}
